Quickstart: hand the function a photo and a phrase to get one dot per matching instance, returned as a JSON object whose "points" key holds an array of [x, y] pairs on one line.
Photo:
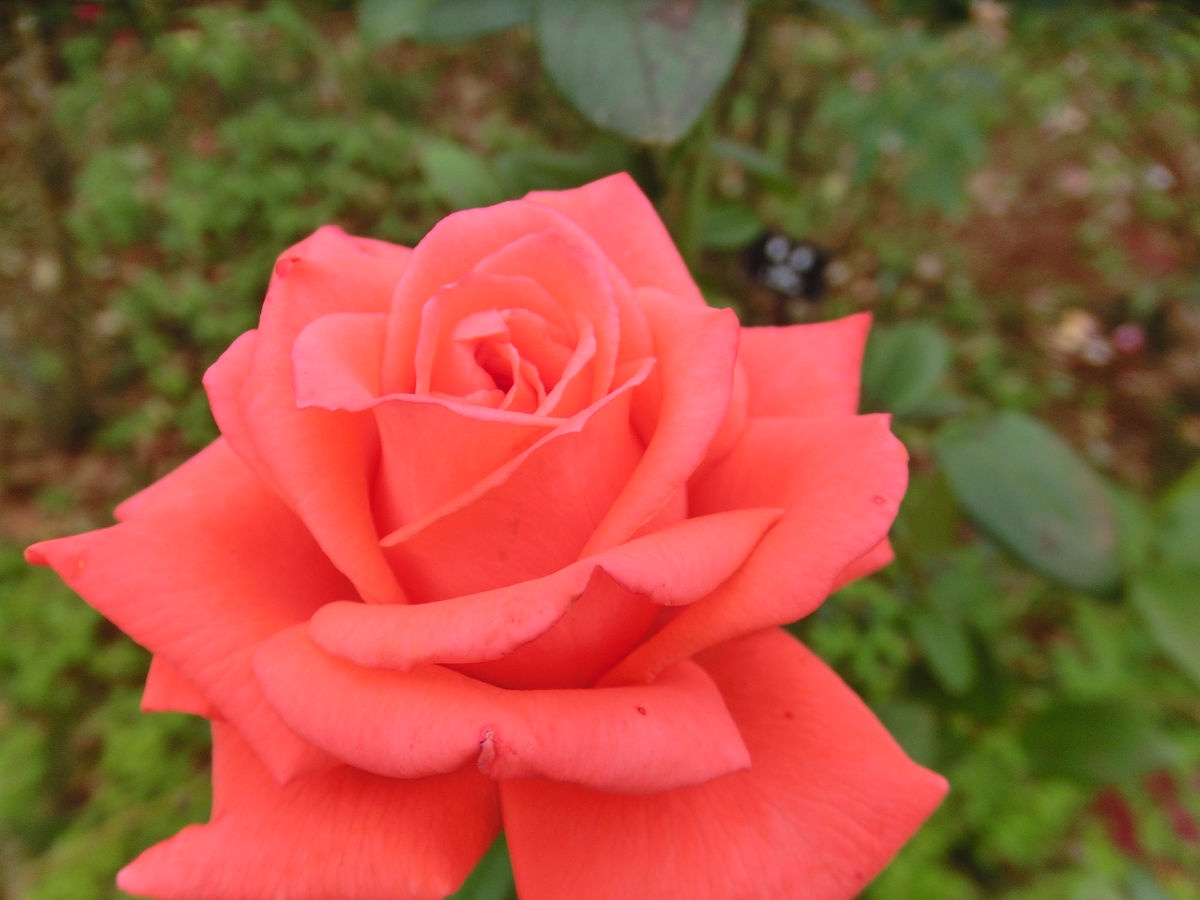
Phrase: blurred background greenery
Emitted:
{"points": [[1013, 189]]}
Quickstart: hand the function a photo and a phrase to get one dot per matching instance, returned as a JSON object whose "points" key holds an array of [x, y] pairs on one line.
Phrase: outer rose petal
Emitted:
{"points": [[328, 272], [338, 833], [872, 561], [223, 383], [168, 691], [617, 214], [206, 565], [840, 481], [827, 801], [411, 724], [805, 370]]}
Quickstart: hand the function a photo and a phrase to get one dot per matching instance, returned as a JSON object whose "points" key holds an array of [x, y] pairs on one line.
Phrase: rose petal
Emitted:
{"points": [[434, 455], [827, 801], [468, 241], [338, 833], [483, 298], [616, 213], [734, 422], [624, 598], [412, 724], [840, 482], [870, 562], [210, 565], [337, 361], [579, 282], [432, 450], [696, 348], [329, 272], [168, 691], [805, 370], [671, 567], [603, 623], [530, 517], [223, 383]]}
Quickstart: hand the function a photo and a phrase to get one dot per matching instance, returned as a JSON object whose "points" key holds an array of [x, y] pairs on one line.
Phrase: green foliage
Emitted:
{"points": [[903, 366], [1103, 742], [80, 797], [492, 878], [981, 192], [383, 21], [1024, 485], [920, 114], [644, 69], [641, 68], [1165, 587]]}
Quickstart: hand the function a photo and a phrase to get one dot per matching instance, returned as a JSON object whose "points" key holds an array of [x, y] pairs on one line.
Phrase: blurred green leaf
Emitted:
{"points": [[24, 760], [913, 726], [1135, 526], [1142, 885], [643, 68], [1025, 486], [462, 20], [925, 526], [1179, 517], [755, 163], [1103, 742], [446, 21], [536, 167], [458, 177], [383, 21], [946, 646], [902, 366], [1168, 599], [492, 877], [729, 226], [851, 9]]}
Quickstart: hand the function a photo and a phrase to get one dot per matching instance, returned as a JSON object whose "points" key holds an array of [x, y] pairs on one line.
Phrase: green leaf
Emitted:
{"points": [[1102, 742], [727, 226], [458, 177], [1168, 599], [945, 645], [384, 21], [1026, 487], [902, 366], [928, 518], [531, 167], [1179, 512], [851, 9], [755, 163], [492, 878], [462, 20], [1137, 528], [913, 726], [643, 68]]}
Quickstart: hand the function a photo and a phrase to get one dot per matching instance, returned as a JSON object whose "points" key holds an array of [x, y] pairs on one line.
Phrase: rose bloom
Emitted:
{"points": [[499, 534]]}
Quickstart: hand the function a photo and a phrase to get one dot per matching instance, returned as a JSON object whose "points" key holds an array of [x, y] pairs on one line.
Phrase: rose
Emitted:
{"points": [[500, 530]]}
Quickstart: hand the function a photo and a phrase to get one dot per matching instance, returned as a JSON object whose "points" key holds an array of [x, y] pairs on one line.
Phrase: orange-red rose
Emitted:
{"points": [[499, 534]]}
